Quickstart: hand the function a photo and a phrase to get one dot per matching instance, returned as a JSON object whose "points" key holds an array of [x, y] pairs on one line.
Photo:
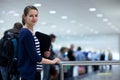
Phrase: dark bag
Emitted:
{"points": [[5, 51], [7, 48], [45, 42], [8, 54]]}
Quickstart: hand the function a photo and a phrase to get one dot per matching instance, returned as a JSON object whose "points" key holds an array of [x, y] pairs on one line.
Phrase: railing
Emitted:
{"points": [[72, 63]]}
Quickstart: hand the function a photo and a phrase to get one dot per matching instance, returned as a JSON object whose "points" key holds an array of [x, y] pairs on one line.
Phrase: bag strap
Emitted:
{"points": [[15, 47]]}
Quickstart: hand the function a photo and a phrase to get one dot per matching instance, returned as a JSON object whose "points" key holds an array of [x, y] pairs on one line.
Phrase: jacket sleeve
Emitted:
{"points": [[29, 46]]}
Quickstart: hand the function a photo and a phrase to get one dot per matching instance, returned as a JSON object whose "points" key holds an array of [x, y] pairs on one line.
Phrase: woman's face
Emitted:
{"points": [[32, 17]]}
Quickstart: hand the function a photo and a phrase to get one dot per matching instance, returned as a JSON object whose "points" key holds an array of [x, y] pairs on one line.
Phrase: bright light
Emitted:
{"points": [[92, 9], [1, 21], [99, 15], [52, 12], [64, 17], [16, 14], [72, 21], [43, 23], [38, 5], [53, 26], [105, 20], [68, 31]]}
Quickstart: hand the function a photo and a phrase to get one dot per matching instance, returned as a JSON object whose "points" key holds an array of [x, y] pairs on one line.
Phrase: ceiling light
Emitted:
{"points": [[52, 12], [53, 26], [80, 24], [99, 15], [87, 27], [91, 30], [68, 31], [96, 32], [43, 23], [37, 5], [105, 20], [92, 9], [1, 21], [72, 21], [64, 17], [16, 14]]}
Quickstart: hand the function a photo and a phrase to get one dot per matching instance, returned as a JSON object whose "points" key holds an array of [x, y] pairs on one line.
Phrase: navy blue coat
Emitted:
{"points": [[27, 56]]}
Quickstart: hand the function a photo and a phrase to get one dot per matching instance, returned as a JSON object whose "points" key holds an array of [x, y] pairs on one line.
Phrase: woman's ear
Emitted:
{"points": [[23, 16], [23, 19]]}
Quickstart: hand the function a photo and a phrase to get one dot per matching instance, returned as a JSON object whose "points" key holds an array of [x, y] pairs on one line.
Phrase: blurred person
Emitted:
{"points": [[49, 71], [71, 57], [53, 71], [29, 58], [95, 57], [102, 58], [11, 32], [63, 56], [80, 55], [53, 38], [110, 58]]}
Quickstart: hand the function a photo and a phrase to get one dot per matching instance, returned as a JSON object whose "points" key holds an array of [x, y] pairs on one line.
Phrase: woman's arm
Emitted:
{"points": [[47, 61]]}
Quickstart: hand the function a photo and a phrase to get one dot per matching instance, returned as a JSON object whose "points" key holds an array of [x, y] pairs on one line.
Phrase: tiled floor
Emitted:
{"points": [[114, 74]]}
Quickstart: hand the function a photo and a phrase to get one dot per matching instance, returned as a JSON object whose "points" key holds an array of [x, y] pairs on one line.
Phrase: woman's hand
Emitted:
{"points": [[56, 60]]}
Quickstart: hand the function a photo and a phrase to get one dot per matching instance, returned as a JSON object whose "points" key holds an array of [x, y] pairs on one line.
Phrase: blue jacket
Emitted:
{"points": [[27, 56]]}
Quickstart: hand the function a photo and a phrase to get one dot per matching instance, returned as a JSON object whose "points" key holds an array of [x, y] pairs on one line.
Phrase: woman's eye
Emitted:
{"points": [[36, 15], [33, 15]]}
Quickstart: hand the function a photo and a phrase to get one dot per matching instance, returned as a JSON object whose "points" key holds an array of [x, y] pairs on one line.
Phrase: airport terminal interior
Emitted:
{"points": [[90, 27]]}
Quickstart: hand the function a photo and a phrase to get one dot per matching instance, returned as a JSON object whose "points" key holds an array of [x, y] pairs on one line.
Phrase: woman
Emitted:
{"points": [[29, 47]]}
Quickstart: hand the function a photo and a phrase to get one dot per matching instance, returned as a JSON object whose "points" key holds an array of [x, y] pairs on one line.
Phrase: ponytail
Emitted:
{"points": [[23, 21]]}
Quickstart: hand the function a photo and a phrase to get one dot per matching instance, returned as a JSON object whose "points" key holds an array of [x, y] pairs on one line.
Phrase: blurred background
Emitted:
{"points": [[92, 25]]}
